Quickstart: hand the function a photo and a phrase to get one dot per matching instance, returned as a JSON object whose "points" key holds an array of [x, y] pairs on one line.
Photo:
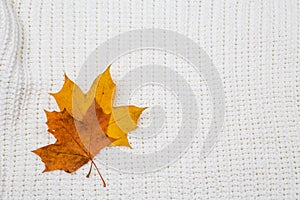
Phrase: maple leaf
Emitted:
{"points": [[123, 119], [78, 142], [86, 124]]}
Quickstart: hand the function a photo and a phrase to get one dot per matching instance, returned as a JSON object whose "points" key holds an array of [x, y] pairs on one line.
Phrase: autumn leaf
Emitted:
{"points": [[86, 124], [123, 119], [78, 142]]}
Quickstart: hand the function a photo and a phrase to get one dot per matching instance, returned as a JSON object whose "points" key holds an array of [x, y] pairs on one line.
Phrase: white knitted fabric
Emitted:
{"points": [[254, 45]]}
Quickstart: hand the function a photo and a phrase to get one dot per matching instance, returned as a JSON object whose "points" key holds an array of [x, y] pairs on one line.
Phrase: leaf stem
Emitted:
{"points": [[104, 184], [88, 175]]}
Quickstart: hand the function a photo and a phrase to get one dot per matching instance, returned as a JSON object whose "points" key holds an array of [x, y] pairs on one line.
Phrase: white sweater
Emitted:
{"points": [[254, 46]]}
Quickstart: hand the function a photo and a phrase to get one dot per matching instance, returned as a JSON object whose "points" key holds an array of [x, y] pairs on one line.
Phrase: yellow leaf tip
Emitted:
{"points": [[67, 78], [107, 70], [144, 108]]}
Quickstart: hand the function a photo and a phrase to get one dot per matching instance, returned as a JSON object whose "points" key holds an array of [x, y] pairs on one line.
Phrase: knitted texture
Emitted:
{"points": [[254, 45]]}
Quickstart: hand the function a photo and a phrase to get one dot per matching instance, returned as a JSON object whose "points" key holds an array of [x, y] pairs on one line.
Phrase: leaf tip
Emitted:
{"points": [[65, 75], [107, 73], [107, 70], [45, 170], [67, 79], [34, 151], [108, 67], [144, 108]]}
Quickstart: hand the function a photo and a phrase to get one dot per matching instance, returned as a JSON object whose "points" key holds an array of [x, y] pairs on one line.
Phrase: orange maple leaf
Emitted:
{"points": [[78, 142], [86, 124]]}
